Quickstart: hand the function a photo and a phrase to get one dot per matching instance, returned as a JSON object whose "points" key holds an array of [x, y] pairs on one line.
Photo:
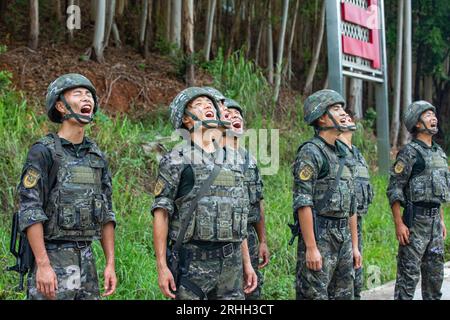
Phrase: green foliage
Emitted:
{"points": [[3, 48], [243, 81]]}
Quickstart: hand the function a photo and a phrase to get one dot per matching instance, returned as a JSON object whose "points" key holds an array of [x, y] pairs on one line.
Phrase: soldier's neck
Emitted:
{"points": [[204, 139], [71, 132], [346, 138], [425, 138], [330, 136]]}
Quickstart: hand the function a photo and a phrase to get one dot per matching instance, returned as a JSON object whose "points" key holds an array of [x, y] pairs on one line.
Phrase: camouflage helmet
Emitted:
{"points": [[413, 113], [215, 93], [232, 104], [62, 84], [181, 101], [317, 104]]}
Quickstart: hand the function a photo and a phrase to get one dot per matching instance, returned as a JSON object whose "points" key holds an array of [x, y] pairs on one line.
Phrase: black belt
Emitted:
{"points": [[328, 222], [427, 212], [52, 245], [204, 254]]}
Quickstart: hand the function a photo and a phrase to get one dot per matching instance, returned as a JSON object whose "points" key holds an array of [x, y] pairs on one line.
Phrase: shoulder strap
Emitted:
{"points": [[322, 203], [201, 192], [57, 158]]}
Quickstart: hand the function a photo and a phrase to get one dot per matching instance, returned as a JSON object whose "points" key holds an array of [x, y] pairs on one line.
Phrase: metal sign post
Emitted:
{"points": [[357, 48]]}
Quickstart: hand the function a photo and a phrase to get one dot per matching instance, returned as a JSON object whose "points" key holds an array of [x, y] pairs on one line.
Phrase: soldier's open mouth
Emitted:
{"points": [[85, 109], [237, 125], [209, 114]]}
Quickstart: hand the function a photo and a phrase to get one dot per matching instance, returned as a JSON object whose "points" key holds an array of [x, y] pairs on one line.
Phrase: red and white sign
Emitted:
{"points": [[366, 18]]}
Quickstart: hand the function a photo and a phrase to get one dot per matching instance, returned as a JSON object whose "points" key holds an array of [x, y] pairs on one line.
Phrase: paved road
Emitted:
{"points": [[386, 291]]}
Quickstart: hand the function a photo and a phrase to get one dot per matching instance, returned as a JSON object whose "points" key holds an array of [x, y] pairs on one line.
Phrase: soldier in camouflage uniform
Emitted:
{"points": [[327, 246], [257, 243], [419, 182], [65, 199], [364, 191], [214, 253]]}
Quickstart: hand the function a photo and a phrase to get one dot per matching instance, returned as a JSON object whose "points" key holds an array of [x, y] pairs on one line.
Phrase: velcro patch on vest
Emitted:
{"points": [[83, 175], [226, 179], [306, 173], [399, 167], [31, 178]]}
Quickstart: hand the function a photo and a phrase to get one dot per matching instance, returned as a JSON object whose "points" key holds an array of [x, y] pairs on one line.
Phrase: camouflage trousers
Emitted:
{"points": [[76, 273], [218, 278], [253, 248], [424, 255], [335, 279], [359, 272]]}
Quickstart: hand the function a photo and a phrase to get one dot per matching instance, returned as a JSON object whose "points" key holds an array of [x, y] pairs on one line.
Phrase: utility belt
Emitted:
{"points": [[204, 253], [411, 211], [331, 222], [319, 222], [62, 244]]}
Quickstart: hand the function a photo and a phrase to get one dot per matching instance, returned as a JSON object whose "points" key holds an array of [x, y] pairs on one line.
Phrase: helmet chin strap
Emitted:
{"points": [[205, 123], [426, 129], [82, 119], [336, 125]]}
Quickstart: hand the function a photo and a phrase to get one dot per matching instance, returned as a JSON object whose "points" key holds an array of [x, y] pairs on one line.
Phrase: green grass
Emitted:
{"points": [[134, 174]]}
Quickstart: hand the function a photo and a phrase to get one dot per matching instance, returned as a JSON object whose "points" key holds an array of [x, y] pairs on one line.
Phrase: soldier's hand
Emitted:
{"points": [[402, 232], [166, 282], [357, 258], [110, 280], [264, 255], [250, 279], [444, 230], [313, 259], [46, 281]]}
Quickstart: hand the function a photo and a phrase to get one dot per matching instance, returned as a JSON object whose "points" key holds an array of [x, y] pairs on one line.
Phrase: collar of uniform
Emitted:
{"points": [[434, 145], [85, 144], [332, 147]]}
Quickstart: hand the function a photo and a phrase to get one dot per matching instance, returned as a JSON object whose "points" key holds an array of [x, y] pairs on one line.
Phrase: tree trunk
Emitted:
{"points": [[189, 40], [355, 97], [143, 24], [148, 30], [176, 23], [34, 24], [110, 12], [428, 88], [99, 32], [121, 4], [168, 15], [281, 51], [269, 44], [407, 80], [312, 69], [93, 10], [236, 27], [70, 31], [248, 42], [258, 42], [395, 124], [3, 5], [209, 28], [288, 67], [58, 12], [116, 35]]}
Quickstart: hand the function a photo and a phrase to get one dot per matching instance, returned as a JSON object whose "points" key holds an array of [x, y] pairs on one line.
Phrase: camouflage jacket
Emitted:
{"points": [[221, 214], [314, 171], [34, 189], [420, 175]]}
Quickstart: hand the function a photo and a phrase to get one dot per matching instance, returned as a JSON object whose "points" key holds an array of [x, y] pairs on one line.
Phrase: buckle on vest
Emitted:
{"points": [[82, 244], [227, 250]]}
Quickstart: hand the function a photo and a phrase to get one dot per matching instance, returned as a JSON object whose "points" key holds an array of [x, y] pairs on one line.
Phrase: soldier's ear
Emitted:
{"points": [[60, 107], [321, 121], [187, 122]]}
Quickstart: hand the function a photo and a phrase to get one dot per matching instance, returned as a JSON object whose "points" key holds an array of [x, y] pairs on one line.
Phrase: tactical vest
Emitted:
{"points": [[221, 214], [339, 205], [363, 188], [432, 184], [77, 205], [253, 186]]}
